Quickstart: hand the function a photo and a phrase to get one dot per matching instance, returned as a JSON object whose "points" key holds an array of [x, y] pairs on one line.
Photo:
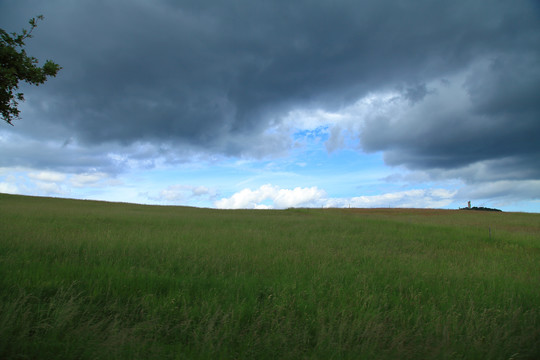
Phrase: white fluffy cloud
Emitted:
{"points": [[8, 188], [273, 197], [88, 179], [181, 193], [47, 176], [269, 197], [416, 198]]}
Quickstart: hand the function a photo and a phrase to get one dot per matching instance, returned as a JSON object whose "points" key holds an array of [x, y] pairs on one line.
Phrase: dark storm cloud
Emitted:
{"points": [[416, 93], [496, 125], [215, 74]]}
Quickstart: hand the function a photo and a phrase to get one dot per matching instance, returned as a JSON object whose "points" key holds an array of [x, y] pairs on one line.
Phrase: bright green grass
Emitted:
{"points": [[89, 280]]}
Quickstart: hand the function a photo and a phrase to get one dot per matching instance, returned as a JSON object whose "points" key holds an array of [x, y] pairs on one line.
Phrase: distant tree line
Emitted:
{"points": [[480, 208]]}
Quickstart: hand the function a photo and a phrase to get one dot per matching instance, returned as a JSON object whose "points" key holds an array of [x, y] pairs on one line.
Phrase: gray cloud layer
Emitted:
{"points": [[214, 75]]}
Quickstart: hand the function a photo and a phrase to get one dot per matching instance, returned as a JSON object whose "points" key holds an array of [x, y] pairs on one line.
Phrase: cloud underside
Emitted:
{"points": [[449, 88]]}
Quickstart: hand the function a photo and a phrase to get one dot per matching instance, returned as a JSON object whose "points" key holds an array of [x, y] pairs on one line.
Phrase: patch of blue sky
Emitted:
{"points": [[316, 135]]}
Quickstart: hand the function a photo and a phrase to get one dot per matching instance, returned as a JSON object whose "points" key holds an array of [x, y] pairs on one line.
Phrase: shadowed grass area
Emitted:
{"points": [[86, 280]]}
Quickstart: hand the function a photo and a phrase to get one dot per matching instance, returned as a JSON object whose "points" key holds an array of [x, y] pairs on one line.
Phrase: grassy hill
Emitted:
{"points": [[89, 280]]}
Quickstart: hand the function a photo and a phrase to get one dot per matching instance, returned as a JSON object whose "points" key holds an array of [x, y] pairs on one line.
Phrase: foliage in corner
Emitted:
{"points": [[15, 66]]}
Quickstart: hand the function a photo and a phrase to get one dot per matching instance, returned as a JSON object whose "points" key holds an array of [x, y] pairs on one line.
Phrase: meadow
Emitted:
{"points": [[96, 280]]}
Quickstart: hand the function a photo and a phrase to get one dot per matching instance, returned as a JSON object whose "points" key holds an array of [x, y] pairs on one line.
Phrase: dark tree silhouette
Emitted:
{"points": [[15, 66]]}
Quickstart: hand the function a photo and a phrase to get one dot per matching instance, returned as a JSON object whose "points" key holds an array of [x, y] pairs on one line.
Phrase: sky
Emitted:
{"points": [[278, 104]]}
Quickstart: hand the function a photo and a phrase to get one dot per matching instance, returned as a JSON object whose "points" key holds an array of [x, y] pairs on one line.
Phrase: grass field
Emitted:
{"points": [[94, 280]]}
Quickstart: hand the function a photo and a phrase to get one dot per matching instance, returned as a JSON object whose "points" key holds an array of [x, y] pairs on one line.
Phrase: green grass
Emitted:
{"points": [[93, 280]]}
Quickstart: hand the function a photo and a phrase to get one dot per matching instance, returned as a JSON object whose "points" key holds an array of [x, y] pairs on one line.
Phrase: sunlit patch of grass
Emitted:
{"points": [[92, 280]]}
